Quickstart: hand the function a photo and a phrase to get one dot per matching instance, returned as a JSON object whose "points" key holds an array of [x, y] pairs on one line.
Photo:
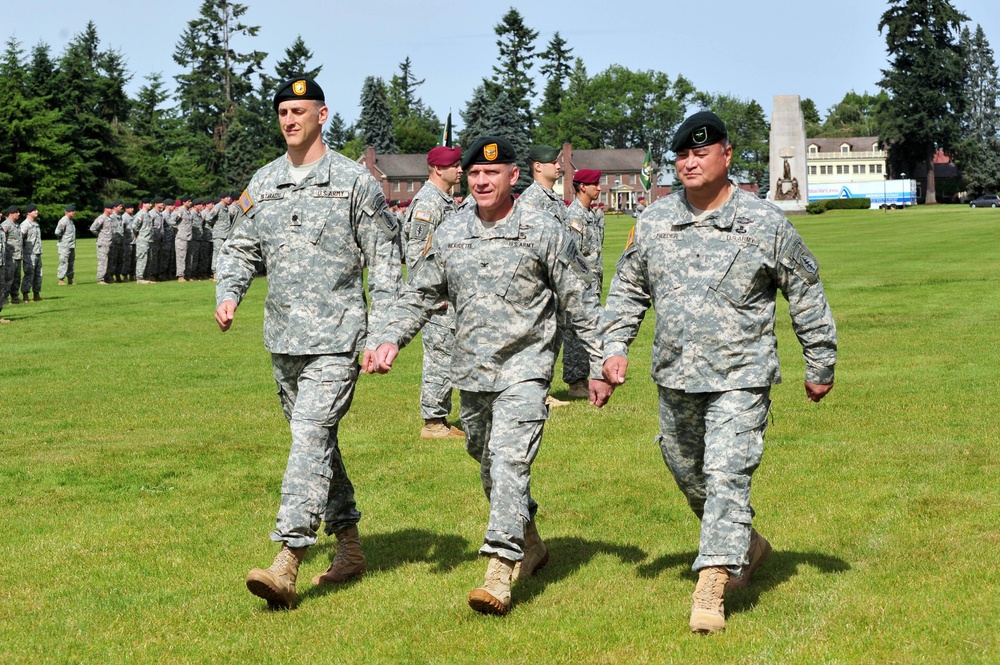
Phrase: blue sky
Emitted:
{"points": [[819, 50]]}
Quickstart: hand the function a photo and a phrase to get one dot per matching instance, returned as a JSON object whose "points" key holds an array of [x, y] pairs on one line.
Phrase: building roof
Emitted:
{"points": [[409, 167], [616, 160], [857, 143]]}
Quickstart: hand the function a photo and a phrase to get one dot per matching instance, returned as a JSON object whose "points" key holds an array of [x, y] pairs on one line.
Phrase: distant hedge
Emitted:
{"points": [[819, 207]]}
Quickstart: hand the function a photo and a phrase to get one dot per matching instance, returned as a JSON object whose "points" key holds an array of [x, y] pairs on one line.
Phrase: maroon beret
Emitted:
{"points": [[587, 176], [444, 156]]}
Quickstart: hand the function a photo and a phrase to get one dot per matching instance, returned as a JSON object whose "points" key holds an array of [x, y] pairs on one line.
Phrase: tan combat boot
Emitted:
{"points": [[536, 554], [349, 562], [438, 428], [60, 283], [494, 596], [708, 615], [760, 549], [551, 401], [276, 585], [579, 389]]}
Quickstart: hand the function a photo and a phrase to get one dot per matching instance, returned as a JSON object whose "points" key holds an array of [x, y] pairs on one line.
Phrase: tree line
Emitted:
{"points": [[69, 131]]}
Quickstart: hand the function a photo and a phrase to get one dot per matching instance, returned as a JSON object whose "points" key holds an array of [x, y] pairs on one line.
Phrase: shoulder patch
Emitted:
{"points": [[573, 258], [631, 238], [427, 245], [422, 215], [245, 202], [576, 225]]}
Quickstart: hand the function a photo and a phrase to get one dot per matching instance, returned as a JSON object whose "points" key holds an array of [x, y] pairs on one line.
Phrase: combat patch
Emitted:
{"points": [[246, 203], [571, 255]]}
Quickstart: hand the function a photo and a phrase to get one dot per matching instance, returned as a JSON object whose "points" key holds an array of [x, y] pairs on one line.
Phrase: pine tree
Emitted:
{"points": [[336, 133], [978, 153], [811, 116], [475, 113], [403, 100], [296, 62], [854, 115], [415, 127], [375, 123], [502, 119], [217, 78], [517, 54], [924, 82]]}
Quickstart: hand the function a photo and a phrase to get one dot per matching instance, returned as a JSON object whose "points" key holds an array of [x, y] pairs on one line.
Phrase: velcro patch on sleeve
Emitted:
{"points": [[245, 202]]}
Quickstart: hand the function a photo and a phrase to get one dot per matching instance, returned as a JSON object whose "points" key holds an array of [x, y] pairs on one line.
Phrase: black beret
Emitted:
{"points": [[490, 150], [701, 129], [109, 204], [298, 88], [70, 208], [147, 200], [31, 207], [11, 210], [543, 154]]}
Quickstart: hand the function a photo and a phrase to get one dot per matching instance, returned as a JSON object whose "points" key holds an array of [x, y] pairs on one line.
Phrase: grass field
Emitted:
{"points": [[143, 454]]}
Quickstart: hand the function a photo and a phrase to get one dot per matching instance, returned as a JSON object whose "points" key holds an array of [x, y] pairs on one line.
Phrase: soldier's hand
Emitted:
{"points": [[614, 370], [225, 313], [817, 391], [384, 355], [600, 392]]}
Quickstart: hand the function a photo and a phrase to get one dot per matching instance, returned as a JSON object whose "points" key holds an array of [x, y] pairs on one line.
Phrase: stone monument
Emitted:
{"points": [[789, 175]]}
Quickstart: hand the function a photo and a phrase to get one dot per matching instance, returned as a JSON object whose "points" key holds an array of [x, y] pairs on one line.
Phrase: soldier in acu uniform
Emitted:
{"points": [[66, 233], [103, 228], [507, 272], [318, 219], [13, 248], [710, 259], [142, 225], [432, 204], [582, 223], [31, 235]]}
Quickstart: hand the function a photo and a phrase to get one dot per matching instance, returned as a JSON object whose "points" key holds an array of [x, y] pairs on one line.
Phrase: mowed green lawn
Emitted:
{"points": [[143, 453]]}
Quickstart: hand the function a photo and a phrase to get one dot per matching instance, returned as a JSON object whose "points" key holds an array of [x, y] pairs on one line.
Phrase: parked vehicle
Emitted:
{"points": [[985, 201], [882, 193]]}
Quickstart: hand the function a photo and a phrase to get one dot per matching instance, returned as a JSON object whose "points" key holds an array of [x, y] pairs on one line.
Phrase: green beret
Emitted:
{"points": [[298, 88], [543, 154], [701, 129], [70, 208], [490, 150]]}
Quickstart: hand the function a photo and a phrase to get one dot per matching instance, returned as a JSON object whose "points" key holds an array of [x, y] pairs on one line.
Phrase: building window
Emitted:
{"points": [[844, 149], [862, 169], [409, 186], [813, 150], [812, 170], [855, 168], [840, 169], [395, 186], [876, 168]]}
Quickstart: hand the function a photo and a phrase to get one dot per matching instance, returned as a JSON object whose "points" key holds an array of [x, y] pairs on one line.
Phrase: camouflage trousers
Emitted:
{"points": [[32, 280], [146, 260], [315, 393], [576, 361], [103, 263], [438, 338], [11, 272], [182, 260], [67, 262], [503, 431], [216, 247], [712, 443]]}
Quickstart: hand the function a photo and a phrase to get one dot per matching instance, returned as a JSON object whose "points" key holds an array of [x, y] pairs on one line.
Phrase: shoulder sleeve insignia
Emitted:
{"points": [[576, 225], [245, 202], [427, 245], [631, 238]]}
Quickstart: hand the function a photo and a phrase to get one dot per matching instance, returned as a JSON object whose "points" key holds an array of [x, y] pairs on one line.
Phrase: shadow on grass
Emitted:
{"points": [[778, 569], [386, 551], [566, 556]]}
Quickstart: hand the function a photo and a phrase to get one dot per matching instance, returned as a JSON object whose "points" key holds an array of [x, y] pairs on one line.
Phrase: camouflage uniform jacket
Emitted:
{"points": [[316, 238], [103, 228], [504, 284], [66, 232], [713, 285], [15, 243], [541, 197], [180, 221], [117, 229], [588, 232], [128, 229], [429, 207], [223, 221], [32, 234], [142, 226]]}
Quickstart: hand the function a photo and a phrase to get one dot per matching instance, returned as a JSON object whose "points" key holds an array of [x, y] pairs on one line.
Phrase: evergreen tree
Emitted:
{"points": [[415, 127], [375, 124], [556, 69], [811, 116], [337, 132], [217, 78], [296, 62], [502, 119], [854, 115], [403, 100], [517, 54], [575, 122], [978, 152], [41, 77], [151, 131], [475, 113], [924, 83]]}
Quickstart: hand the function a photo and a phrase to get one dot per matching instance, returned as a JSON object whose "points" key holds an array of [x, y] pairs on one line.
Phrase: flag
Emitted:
{"points": [[446, 133], [646, 175]]}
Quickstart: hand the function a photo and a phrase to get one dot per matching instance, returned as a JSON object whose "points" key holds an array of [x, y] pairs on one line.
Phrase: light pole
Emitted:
{"points": [[885, 202]]}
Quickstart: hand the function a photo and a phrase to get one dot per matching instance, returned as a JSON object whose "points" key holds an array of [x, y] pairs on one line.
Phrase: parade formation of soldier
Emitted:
{"points": [[710, 260], [508, 271], [317, 219], [66, 233], [432, 204]]}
